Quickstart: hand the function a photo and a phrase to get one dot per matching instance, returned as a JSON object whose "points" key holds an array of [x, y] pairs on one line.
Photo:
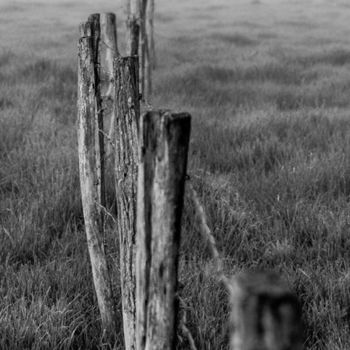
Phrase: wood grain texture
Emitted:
{"points": [[150, 33], [149, 50], [265, 315], [108, 52], [91, 178], [132, 36], [164, 139], [142, 46], [110, 49], [127, 111]]}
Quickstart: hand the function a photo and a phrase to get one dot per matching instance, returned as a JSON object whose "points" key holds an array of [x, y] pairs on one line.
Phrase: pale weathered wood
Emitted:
{"points": [[149, 51], [90, 147], [127, 111], [150, 33], [110, 48], [164, 139], [265, 315], [94, 19], [135, 8], [127, 10], [108, 51], [147, 84], [142, 47]]}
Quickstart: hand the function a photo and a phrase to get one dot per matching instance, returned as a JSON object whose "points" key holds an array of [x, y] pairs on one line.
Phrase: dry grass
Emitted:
{"points": [[268, 85]]}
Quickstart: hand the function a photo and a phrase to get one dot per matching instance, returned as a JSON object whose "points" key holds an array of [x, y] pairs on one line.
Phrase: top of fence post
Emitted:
{"points": [[163, 144]]}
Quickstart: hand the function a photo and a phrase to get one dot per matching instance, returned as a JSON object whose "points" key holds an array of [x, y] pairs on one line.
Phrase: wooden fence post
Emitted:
{"points": [[90, 147], [127, 111], [143, 47], [149, 50], [108, 51], [150, 34], [164, 139], [132, 36], [110, 46], [265, 315]]}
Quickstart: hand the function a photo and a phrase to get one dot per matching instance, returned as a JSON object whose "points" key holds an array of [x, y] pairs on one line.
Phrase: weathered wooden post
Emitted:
{"points": [[133, 27], [108, 51], [90, 147], [149, 50], [127, 112], [143, 46], [265, 314], [150, 33], [163, 145], [110, 47], [132, 40]]}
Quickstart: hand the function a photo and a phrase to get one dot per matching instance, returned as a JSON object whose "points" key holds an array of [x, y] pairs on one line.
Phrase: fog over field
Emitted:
{"points": [[267, 83]]}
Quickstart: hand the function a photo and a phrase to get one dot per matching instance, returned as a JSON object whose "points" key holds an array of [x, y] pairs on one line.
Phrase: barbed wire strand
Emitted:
{"points": [[207, 235]]}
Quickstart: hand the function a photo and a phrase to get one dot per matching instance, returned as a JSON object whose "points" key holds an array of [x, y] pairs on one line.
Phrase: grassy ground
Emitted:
{"points": [[268, 85]]}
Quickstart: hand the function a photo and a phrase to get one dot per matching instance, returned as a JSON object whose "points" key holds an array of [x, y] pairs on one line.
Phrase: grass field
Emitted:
{"points": [[268, 85]]}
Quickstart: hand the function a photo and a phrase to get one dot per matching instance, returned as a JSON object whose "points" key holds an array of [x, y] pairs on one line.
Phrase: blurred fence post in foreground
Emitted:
{"points": [[90, 146], [265, 315], [127, 112], [163, 145]]}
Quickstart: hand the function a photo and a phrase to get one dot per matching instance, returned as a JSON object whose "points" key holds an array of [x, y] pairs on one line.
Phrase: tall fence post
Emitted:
{"points": [[143, 46], [127, 111], [150, 34], [265, 315], [149, 50], [164, 139], [90, 147], [132, 37], [108, 51], [110, 48]]}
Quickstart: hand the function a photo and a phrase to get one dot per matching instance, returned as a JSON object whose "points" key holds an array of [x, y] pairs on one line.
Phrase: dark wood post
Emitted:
{"points": [[164, 139], [265, 314], [90, 146], [127, 112], [133, 32]]}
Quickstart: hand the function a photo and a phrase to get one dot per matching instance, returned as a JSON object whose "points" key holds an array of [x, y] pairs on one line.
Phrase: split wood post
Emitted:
{"points": [[150, 33], [127, 9], [90, 147], [95, 36], [127, 111], [108, 51], [132, 12], [110, 46], [163, 139], [143, 48], [265, 315], [132, 39], [149, 51]]}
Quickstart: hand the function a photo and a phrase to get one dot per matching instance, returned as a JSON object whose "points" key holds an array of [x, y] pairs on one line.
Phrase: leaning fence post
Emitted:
{"points": [[127, 111], [90, 147], [265, 315], [163, 139]]}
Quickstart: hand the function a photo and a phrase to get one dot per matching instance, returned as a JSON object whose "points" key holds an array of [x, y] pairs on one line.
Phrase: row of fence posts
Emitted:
{"points": [[150, 153]]}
